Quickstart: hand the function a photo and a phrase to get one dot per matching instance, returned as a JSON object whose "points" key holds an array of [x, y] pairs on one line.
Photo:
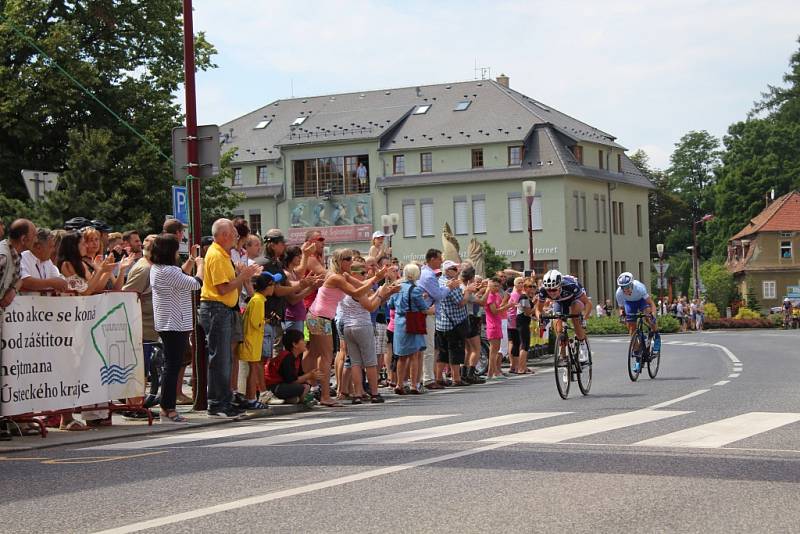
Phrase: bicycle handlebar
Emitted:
{"points": [[562, 316]]}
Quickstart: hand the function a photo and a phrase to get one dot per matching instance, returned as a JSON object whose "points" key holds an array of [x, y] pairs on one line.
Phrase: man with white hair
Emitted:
{"points": [[219, 301], [37, 271]]}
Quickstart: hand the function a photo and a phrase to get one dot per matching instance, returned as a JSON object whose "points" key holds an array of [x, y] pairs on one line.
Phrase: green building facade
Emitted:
{"points": [[451, 153]]}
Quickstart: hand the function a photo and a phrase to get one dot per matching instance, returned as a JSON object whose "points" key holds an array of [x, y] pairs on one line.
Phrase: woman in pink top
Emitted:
{"points": [[495, 310], [319, 321]]}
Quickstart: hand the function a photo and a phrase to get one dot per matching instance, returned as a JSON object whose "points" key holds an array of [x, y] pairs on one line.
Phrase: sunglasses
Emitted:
{"points": [[321, 239], [357, 270], [347, 258], [527, 287], [553, 289]]}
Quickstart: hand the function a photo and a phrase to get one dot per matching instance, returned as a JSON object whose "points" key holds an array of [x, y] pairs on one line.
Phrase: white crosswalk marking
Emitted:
{"points": [[330, 431], [180, 439], [456, 428], [720, 433], [559, 433]]}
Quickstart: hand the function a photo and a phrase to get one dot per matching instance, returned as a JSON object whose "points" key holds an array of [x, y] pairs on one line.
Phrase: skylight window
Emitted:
{"points": [[461, 106], [299, 120], [261, 125], [422, 110]]}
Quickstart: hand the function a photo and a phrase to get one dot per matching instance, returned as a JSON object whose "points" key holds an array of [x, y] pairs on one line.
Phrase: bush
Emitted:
{"points": [[712, 312], [718, 282], [747, 313], [605, 325], [777, 319], [668, 324], [761, 322]]}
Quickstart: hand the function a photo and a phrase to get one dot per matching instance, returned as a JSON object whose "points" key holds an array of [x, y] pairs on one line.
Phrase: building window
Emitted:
{"points": [[261, 174], [426, 162], [614, 218], [426, 215], [261, 125], [603, 213], [621, 206], [577, 151], [409, 218], [575, 269], [399, 164], [255, 221], [514, 156], [605, 279], [477, 158], [583, 211], [597, 212], [619, 162], [422, 110], [641, 271], [299, 120], [460, 216], [463, 105], [786, 249], [577, 207], [600, 159], [478, 215], [598, 273], [237, 177], [639, 220], [515, 217], [336, 176], [769, 289]]}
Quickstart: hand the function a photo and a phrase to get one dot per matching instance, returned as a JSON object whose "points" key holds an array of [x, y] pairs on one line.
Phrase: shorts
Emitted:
{"points": [[319, 326], [524, 330], [360, 342], [450, 348], [474, 326], [273, 335], [513, 337], [563, 306], [380, 338], [294, 325], [237, 330], [634, 307], [287, 391]]}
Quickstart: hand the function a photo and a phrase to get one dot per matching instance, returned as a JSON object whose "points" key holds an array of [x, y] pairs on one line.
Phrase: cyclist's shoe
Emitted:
{"points": [[637, 365], [583, 354], [657, 343]]}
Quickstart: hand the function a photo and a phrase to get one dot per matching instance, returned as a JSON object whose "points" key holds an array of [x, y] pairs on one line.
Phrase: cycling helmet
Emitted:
{"points": [[625, 280], [552, 279], [101, 226], [77, 223]]}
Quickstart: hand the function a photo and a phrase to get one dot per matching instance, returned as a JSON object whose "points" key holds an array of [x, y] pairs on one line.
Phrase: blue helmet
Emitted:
{"points": [[625, 280]]}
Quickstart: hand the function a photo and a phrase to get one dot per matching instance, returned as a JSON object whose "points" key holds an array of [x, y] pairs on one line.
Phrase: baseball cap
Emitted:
{"points": [[378, 233], [274, 236], [449, 264]]}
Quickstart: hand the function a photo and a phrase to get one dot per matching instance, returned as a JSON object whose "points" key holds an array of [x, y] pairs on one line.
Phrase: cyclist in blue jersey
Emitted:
{"points": [[568, 296], [632, 298]]}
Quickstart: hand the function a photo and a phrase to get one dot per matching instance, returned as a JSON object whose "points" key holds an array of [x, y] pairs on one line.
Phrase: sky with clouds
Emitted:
{"points": [[646, 72]]}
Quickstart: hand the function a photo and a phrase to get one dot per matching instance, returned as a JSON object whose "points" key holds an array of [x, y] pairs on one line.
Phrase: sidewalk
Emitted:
{"points": [[122, 428]]}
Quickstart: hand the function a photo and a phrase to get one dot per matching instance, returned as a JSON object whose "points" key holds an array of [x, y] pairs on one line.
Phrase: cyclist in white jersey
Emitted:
{"points": [[632, 298]]}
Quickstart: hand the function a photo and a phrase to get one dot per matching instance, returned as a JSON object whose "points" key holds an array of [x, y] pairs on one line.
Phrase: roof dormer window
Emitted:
{"points": [[422, 110], [261, 125], [463, 105], [299, 120]]}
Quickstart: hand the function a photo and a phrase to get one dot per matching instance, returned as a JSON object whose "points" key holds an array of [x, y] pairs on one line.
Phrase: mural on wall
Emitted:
{"points": [[340, 218]]}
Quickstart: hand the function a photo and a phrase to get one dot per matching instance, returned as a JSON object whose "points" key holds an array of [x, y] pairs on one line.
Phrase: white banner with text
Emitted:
{"points": [[65, 352]]}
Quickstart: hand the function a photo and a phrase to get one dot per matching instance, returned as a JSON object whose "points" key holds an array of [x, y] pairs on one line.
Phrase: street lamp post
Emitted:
{"points": [[660, 250], [695, 256], [529, 190], [394, 221]]}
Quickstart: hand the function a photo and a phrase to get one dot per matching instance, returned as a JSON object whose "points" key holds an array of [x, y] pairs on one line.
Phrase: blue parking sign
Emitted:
{"points": [[180, 203]]}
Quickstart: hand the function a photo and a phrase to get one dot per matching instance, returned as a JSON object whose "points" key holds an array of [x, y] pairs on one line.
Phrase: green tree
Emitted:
{"points": [[126, 54], [750, 300], [494, 262], [718, 282], [692, 171]]}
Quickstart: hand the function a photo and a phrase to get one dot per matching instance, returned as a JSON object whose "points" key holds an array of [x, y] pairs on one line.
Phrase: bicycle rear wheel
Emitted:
{"points": [[585, 370], [635, 351], [653, 363], [562, 369]]}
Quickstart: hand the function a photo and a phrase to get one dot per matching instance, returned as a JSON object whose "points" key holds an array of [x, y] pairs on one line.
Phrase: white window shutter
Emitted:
{"points": [[479, 216], [515, 214], [427, 219], [460, 215], [536, 213], [409, 220]]}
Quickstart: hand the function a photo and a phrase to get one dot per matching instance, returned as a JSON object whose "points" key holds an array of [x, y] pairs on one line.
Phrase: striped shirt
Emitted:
{"points": [[172, 298]]}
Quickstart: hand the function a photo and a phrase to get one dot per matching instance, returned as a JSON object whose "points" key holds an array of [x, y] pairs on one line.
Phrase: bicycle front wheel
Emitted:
{"points": [[654, 363], [585, 369], [561, 361], [635, 351]]}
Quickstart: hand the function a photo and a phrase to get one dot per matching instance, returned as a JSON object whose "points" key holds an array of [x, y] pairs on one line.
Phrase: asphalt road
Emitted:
{"points": [[711, 445]]}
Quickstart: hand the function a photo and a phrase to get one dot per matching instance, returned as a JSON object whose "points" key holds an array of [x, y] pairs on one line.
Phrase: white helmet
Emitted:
{"points": [[625, 279], [551, 279]]}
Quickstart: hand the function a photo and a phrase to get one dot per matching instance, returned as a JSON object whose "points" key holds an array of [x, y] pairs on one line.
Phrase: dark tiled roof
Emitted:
{"points": [[782, 215]]}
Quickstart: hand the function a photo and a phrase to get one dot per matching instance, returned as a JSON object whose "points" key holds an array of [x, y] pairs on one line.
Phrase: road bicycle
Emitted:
{"points": [[568, 367], [639, 349]]}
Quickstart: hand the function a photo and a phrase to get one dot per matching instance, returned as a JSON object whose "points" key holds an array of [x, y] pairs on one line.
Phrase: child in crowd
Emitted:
{"points": [[496, 308], [282, 373], [252, 346]]}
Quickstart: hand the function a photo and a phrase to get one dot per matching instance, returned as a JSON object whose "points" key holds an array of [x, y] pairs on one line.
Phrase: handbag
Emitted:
{"points": [[415, 320]]}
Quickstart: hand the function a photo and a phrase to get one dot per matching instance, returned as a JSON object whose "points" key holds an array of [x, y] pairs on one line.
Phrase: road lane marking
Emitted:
{"points": [[99, 459], [731, 356], [300, 490], [570, 431], [456, 428], [181, 439], [720, 433], [722, 382], [679, 399], [330, 431], [733, 375]]}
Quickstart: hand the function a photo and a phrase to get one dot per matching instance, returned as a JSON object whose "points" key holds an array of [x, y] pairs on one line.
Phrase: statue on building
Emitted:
{"points": [[475, 251], [450, 246]]}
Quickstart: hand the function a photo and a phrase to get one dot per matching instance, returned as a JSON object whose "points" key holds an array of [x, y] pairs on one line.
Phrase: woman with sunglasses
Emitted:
{"points": [[338, 284], [568, 296]]}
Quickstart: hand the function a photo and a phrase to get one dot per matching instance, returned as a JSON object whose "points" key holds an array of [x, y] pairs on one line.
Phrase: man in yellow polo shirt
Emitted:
{"points": [[219, 301]]}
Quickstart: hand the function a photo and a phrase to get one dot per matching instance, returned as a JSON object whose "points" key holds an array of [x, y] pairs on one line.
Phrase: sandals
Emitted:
{"points": [[399, 391], [356, 400], [175, 418], [73, 426], [376, 399], [331, 404]]}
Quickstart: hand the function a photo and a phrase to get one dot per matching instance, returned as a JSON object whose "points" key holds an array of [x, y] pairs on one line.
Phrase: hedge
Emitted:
{"points": [[611, 325], [761, 322]]}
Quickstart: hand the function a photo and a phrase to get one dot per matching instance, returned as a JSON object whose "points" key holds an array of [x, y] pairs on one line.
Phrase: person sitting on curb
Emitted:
{"points": [[281, 374]]}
